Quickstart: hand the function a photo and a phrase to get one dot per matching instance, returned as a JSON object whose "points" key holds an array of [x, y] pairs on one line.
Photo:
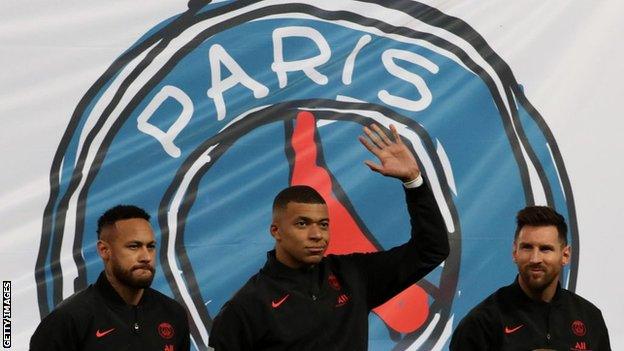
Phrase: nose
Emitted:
{"points": [[144, 255], [315, 232], [536, 256]]}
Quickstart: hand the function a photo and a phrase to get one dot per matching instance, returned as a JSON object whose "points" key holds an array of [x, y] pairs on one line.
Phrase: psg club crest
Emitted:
{"points": [[208, 115], [165, 330]]}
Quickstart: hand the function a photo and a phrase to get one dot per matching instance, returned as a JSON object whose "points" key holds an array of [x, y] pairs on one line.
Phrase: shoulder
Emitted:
{"points": [[578, 309], [162, 298], [250, 294], [167, 303], [337, 262], [243, 308], [572, 300], [257, 289], [239, 319], [485, 309], [476, 331], [69, 317], [570, 296], [78, 305], [488, 312]]}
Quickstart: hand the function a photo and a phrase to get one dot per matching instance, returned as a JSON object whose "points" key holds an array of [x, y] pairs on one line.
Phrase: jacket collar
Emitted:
{"points": [[309, 277], [522, 296], [277, 268], [109, 293]]}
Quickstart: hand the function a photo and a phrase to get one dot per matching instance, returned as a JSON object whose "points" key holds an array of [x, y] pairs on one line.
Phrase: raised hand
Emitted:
{"points": [[396, 159]]}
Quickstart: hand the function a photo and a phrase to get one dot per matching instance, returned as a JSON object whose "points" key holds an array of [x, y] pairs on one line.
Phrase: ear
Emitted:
{"points": [[514, 253], [565, 259], [103, 250], [274, 230]]}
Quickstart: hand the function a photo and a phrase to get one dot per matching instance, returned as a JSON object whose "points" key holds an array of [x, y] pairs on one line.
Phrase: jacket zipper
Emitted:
{"points": [[135, 326]]}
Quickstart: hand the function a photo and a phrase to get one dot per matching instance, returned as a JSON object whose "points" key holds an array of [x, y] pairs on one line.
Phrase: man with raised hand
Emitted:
{"points": [[120, 311], [304, 300], [534, 313]]}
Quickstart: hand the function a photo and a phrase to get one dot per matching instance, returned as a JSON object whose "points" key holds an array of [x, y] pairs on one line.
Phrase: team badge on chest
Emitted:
{"points": [[333, 281]]}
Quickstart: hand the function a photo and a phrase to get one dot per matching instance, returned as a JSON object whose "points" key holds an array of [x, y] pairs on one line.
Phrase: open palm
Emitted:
{"points": [[395, 158]]}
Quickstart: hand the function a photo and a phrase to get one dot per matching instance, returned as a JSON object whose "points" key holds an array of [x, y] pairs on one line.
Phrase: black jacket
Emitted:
{"points": [[509, 320], [97, 318], [325, 307]]}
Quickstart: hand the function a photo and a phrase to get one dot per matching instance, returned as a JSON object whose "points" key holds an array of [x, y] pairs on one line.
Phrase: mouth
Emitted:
{"points": [[537, 270], [316, 250], [143, 268]]}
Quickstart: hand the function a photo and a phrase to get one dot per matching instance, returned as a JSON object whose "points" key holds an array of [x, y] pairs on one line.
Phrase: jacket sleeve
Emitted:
{"points": [[389, 272], [471, 334], [185, 344], [605, 344], [56, 332], [230, 330]]}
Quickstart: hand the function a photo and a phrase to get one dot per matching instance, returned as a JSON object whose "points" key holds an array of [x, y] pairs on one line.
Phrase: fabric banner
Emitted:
{"points": [[200, 113]]}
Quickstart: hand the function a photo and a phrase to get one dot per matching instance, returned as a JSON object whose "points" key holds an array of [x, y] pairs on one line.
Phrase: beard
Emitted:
{"points": [[126, 277], [542, 281]]}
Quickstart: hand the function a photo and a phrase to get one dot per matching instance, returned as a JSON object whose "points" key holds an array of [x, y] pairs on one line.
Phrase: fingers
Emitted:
{"points": [[395, 133], [374, 138], [373, 166], [382, 135], [369, 145], [373, 149], [378, 137]]}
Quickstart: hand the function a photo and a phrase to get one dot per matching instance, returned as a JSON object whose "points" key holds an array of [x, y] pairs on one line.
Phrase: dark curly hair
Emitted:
{"points": [[118, 213]]}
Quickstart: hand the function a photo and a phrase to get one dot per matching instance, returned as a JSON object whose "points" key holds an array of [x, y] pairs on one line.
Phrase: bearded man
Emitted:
{"points": [[120, 311], [534, 313]]}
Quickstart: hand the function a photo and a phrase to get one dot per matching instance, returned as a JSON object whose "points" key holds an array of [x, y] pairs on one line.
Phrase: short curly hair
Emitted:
{"points": [[118, 213], [297, 193]]}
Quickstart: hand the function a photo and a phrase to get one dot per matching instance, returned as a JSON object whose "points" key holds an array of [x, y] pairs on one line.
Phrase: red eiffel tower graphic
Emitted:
{"points": [[407, 311]]}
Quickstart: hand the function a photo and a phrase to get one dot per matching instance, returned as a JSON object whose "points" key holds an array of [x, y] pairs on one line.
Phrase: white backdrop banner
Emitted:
{"points": [[200, 113]]}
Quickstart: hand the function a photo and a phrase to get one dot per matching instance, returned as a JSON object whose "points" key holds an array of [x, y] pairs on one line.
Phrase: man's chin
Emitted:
{"points": [[142, 283], [138, 281], [537, 284], [143, 277], [315, 259]]}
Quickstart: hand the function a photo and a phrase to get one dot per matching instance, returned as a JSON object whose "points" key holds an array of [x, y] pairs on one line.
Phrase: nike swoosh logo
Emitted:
{"points": [[99, 334], [277, 304], [511, 330]]}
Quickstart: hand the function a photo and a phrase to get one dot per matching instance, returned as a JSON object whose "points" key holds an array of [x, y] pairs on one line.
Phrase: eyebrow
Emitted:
{"points": [[309, 219], [525, 244], [140, 242]]}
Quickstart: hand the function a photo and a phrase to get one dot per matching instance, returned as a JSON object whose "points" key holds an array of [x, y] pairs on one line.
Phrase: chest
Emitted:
{"points": [[549, 329], [131, 328], [325, 317]]}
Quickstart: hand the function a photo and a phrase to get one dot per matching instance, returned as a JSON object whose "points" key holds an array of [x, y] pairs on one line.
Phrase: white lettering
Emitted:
{"points": [[412, 105], [308, 65], [218, 56], [347, 71], [166, 138]]}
